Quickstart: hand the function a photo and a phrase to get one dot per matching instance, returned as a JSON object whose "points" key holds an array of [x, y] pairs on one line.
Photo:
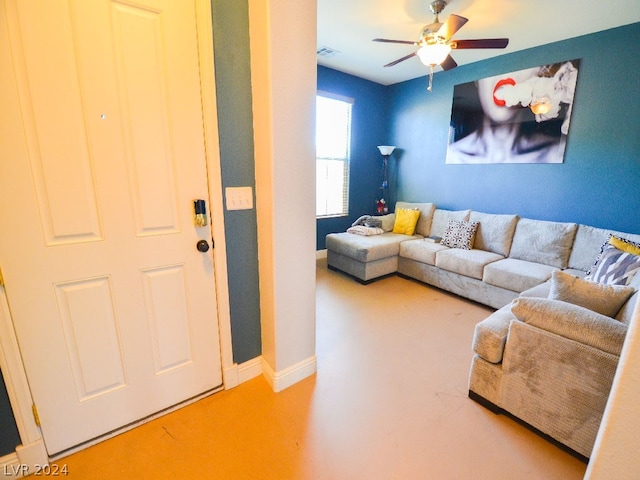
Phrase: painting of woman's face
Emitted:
{"points": [[490, 89], [515, 117]]}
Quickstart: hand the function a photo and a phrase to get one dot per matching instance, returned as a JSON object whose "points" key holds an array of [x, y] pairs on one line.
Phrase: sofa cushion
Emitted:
{"points": [[406, 220], [423, 227], [441, 220], [543, 242], [421, 250], [587, 244], [516, 275], [470, 263], [572, 322], [366, 249], [614, 267], [604, 299], [459, 234], [495, 232], [490, 335]]}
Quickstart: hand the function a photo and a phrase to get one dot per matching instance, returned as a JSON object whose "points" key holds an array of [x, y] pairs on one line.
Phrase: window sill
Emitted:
{"points": [[338, 215]]}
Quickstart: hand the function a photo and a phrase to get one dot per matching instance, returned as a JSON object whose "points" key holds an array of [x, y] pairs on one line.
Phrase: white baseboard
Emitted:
{"points": [[33, 454], [11, 467], [321, 254], [27, 459], [237, 374], [250, 369], [289, 376], [230, 377]]}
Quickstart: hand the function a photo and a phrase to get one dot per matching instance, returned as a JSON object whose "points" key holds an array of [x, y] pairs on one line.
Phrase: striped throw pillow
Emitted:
{"points": [[614, 267]]}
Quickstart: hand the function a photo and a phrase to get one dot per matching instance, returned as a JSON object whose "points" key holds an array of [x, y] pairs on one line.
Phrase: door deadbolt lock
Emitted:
{"points": [[200, 213]]}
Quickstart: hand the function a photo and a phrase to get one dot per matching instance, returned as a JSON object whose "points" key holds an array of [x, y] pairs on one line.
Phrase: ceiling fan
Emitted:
{"points": [[435, 43]]}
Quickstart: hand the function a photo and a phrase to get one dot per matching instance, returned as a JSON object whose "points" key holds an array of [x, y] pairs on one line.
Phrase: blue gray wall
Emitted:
{"points": [[233, 84], [598, 183], [368, 129]]}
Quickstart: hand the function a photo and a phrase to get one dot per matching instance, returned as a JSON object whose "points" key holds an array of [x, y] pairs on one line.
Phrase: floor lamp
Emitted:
{"points": [[381, 204]]}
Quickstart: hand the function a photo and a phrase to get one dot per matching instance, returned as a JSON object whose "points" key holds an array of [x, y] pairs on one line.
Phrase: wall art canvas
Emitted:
{"points": [[517, 117]]}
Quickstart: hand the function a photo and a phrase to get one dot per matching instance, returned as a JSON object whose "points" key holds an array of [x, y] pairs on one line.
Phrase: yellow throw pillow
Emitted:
{"points": [[624, 245], [406, 221]]}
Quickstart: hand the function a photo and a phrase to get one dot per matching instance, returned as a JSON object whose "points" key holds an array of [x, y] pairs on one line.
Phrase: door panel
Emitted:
{"points": [[91, 336], [103, 148], [165, 300], [67, 203], [146, 114]]}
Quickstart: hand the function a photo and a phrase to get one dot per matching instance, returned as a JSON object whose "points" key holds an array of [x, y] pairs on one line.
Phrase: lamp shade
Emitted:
{"points": [[386, 149]]}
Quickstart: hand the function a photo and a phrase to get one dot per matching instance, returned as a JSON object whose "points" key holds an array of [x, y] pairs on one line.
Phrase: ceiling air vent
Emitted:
{"points": [[327, 52]]}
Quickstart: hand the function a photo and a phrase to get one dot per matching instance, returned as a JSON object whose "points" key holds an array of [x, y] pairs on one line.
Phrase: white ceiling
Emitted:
{"points": [[349, 26]]}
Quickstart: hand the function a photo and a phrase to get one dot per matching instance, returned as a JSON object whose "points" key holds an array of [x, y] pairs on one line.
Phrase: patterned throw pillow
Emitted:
{"points": [[459, 234], [614, 266]]}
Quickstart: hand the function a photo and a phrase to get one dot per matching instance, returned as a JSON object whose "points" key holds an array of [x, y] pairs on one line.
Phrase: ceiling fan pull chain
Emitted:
{"points": [[430, 87]]}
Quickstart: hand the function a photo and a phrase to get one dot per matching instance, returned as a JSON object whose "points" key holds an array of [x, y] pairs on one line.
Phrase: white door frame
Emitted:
{"points": [[32, 451]]}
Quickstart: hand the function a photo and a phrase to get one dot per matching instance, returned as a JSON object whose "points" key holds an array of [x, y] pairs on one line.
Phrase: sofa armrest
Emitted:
{"points": [[491, 333], [572, 322]]}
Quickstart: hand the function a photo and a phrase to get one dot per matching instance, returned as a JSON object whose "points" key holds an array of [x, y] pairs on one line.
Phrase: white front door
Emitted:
{"points": [[101, 158]]}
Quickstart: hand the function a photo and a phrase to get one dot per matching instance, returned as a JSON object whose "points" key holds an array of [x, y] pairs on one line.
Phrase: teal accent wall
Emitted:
{"points": [[599, 182], [368, 130], [9, 438], [233, 91]]}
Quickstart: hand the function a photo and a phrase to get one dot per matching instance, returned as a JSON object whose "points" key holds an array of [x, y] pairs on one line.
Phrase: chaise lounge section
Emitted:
{"points": [[367, 258]]}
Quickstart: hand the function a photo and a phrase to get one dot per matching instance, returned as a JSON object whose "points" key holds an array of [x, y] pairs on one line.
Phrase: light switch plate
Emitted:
{"points": [[239, 198]]}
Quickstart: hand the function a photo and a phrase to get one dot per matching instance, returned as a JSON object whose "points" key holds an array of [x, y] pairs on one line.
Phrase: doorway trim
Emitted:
{"points": [[32, 451]]}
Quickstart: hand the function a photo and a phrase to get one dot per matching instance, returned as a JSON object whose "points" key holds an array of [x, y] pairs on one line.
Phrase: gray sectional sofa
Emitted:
{"points": [[545, 359], [510, 254]]}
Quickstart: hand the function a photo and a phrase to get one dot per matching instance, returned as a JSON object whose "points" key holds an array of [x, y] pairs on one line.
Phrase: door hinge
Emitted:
{"points": [[36, 417]]}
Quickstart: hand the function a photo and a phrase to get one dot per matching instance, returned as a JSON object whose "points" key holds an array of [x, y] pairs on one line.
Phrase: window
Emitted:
{"points": [[333, 143]]}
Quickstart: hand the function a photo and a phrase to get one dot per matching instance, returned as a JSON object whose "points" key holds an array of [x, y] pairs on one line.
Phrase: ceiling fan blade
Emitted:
{"points": [[451, 26], [448, 63], [481, 43], [386, 40], [395, 62]]}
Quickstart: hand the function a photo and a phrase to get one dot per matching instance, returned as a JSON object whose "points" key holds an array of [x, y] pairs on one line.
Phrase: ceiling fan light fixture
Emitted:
{"points": [[434, 54], [435, 43]]}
